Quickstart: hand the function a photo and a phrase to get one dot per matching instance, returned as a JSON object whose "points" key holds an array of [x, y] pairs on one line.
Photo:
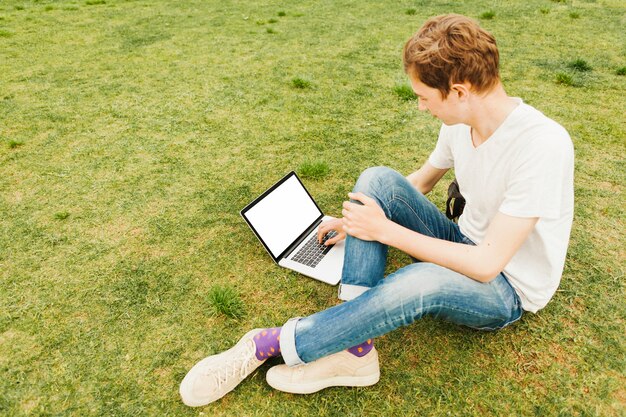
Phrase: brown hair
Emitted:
{"points": [[452, 49]]}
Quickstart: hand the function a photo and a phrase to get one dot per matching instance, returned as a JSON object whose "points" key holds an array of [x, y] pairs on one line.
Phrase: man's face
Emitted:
{"points": [[429, 99]]}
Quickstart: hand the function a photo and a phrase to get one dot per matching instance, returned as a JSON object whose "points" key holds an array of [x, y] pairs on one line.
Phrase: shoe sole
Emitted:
{"points": [[337, 381]]}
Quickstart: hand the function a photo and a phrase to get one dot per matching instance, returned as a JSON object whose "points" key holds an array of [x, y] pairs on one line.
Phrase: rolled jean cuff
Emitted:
{"points": [[348, 291], [288, 343]]}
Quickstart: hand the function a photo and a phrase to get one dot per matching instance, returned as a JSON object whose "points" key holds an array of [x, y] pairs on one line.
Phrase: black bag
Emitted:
{"points": [[455, 203]]}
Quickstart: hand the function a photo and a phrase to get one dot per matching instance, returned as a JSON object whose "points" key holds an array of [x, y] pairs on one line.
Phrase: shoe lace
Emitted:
{"points": [[241, 363]]}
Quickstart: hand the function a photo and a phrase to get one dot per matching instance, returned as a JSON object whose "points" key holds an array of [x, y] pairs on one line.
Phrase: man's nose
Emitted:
{"points": [[421, 106]]}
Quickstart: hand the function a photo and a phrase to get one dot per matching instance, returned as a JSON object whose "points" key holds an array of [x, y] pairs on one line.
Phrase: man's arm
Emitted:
{"points": [[483, 262], [425, 178]]}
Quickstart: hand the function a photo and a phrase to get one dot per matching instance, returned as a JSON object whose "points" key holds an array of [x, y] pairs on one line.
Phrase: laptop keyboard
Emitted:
{"points": [[312, 252]]}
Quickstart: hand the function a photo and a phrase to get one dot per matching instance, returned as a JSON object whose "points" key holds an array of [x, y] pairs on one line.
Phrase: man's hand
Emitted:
{"points": [[367, 221], [327, 226]]}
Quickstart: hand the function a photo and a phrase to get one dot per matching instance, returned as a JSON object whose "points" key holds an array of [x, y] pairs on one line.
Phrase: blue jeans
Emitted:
{"points": [[376, 305]]}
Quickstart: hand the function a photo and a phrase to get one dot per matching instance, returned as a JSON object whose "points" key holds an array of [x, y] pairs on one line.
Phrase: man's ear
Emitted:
{"points": [[462, 91]]}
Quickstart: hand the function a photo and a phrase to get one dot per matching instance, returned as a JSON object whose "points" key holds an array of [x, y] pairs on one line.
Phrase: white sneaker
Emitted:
{"points": [[340, 369], [217, 375]]}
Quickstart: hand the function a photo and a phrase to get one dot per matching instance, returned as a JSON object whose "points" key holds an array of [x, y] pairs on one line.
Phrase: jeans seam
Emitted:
{"points": [[384, 203], [498, 293], [394, 197], [466, 311], [376, 194], [515, 298]]}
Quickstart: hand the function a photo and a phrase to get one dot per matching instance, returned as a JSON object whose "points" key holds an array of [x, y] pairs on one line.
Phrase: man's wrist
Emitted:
{"points": [[388, 232]]}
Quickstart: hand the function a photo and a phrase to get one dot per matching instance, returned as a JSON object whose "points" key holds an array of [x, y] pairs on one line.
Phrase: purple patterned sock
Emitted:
{"points": [[362, 349], [267, 343]]}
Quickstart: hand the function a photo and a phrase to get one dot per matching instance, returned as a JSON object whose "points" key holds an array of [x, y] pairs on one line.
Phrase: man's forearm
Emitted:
{"points": [[414, 180], [468, 260], [425, 178]]}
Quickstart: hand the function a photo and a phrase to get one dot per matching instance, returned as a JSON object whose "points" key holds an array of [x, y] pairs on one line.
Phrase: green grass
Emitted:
{"points": [[300, 83], [404, 92], [15, 143], [313, 170], [61, 215], [153, 123], [226, 301], [488, 15], [564, 78], [579, 65]]}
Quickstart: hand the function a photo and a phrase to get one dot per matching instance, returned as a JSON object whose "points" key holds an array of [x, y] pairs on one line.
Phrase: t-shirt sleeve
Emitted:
{"points": [[442, 157], [536, 184]]}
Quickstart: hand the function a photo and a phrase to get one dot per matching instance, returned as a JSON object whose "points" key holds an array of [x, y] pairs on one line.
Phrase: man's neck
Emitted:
{"points": [[488, 113]]}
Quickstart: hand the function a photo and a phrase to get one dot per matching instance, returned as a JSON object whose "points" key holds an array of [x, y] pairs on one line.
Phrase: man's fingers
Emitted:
{"points": [[362, 198], [349, 205], [321, 232], [334, 240], [328, 226]]}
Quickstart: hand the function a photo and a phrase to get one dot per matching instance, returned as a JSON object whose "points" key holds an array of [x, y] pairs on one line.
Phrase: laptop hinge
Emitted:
{"points": [[299, 240]]}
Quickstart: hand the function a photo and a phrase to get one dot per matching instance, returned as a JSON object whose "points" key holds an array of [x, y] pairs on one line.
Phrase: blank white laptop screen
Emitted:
{"points": [[283, 215]]}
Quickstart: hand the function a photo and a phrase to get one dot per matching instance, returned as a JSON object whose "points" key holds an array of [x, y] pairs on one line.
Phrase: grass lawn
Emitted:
{"points": [[133, 132]]}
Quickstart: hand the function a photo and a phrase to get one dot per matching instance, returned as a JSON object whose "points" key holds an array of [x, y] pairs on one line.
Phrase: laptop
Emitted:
{"points": [[285, 219]]}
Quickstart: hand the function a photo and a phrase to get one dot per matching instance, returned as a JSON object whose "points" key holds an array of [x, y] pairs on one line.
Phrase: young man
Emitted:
{"points": [[514, 167]]}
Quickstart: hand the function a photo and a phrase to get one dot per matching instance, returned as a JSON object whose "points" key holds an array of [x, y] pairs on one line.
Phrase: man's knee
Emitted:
{"points": [[376, 179]]}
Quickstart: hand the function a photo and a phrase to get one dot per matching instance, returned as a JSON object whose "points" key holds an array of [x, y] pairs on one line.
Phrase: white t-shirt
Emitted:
{"points": [[525, 169]]}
